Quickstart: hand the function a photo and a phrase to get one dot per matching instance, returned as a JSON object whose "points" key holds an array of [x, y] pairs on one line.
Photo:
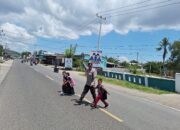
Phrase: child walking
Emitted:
{"points": [[102, 94]]}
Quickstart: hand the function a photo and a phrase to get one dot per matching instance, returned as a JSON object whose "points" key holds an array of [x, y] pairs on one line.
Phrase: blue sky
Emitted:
{"points": [[130, 27], [114, 44]]}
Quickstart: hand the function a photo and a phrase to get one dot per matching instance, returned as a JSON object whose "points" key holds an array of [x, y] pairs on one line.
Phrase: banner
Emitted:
{"points": [[96, 58], [68, 63]]}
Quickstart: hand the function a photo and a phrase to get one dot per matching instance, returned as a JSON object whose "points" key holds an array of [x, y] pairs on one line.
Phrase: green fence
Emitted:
{"points": [[163, 84], [135, 79], [158, 83]]}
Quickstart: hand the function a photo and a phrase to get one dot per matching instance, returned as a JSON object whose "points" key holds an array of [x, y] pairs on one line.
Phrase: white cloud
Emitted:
{"points": [[71, 18], [16, 37]]}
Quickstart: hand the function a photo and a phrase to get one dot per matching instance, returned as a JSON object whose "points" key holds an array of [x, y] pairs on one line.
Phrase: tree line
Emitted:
{"points": [[171, 63]]}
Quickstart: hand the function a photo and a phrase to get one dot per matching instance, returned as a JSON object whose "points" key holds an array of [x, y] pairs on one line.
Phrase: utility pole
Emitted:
{"points": [[99, 37], [2, 34], [137, 57]]}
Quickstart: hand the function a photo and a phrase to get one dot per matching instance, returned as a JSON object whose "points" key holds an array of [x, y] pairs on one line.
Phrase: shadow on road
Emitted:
{"points": [[77, 103], [85, 103]]}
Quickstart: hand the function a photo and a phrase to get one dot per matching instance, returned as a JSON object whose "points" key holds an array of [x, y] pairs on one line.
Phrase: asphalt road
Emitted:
{"points": [[29, 100]]}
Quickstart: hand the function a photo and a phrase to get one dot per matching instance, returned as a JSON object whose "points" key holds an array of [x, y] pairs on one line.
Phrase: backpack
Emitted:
{"points": [[73, 83], [104, 95]]}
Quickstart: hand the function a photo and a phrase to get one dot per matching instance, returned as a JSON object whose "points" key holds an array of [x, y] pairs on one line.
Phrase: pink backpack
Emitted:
{"points": [[73, 83]]}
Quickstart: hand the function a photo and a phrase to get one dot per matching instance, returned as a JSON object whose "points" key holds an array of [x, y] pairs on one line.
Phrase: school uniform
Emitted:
{"points": [[66, 87], [102, 95], [90, 84]]}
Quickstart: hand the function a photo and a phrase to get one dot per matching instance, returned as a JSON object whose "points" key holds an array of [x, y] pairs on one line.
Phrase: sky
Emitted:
{"points": [[131, 27]]}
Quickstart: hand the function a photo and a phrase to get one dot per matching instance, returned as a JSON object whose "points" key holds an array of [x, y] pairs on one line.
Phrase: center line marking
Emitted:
{"points": [[49, 77], [105, 111]]}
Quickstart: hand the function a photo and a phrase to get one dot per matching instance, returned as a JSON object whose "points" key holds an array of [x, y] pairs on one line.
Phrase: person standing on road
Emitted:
{"points": [[90, 73]]}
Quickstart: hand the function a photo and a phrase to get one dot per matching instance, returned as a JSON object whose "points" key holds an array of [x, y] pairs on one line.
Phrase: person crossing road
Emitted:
{"points": [[90, 73]]}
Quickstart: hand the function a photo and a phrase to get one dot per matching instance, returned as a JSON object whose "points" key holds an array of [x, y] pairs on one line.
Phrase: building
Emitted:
{"points": [[49, 58]]}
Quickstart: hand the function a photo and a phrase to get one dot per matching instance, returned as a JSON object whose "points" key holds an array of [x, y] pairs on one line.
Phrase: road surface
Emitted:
{"points": [[29, 100]]}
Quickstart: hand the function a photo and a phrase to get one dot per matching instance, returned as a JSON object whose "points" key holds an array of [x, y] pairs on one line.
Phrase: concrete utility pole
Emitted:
{"points": [[137, 57], [101, 18], [2, 34]]}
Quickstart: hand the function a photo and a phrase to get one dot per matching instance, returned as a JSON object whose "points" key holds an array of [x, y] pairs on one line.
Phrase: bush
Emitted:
{"points": [[1, 61], [133, 69], [153, 67]]}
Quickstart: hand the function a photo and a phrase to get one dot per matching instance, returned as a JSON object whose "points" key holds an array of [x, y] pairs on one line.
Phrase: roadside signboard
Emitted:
{"points": [[96, 58], [68, 63]]}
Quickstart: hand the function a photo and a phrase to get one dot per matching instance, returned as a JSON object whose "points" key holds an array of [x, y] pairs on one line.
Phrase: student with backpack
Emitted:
{"points": [[70, 84], [102, 94], [64, 82]]}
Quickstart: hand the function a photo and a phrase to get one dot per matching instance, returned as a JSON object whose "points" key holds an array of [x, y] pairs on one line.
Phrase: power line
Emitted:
{"points": [[147, 9], [138, 7], [87, 23], [110, 10]]}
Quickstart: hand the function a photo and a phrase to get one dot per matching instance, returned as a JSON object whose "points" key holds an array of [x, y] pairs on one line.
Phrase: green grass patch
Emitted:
{"points": [[126, 84]]}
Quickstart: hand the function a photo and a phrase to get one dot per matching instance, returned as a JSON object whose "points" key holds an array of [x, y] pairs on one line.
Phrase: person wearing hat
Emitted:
{"points": [[90, 73]]}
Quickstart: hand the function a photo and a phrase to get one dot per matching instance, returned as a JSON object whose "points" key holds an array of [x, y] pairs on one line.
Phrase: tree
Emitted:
{"points": [[112, 60], [69, 53], [134, 62], [164, 45], [1, 50], [175, 56], [153, 67], [124, 64], [25, 53]]}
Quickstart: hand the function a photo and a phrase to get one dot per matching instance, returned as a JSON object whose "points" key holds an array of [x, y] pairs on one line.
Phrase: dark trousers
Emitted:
{"points": [[67, 89], [85, 91]]}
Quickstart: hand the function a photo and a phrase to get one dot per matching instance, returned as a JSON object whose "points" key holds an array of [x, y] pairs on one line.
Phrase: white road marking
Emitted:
{"points": [[105, 111], [49, 77]]}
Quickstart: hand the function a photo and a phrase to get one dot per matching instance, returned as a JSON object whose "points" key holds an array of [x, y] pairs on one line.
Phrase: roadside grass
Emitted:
{"points": [[126, 84]]}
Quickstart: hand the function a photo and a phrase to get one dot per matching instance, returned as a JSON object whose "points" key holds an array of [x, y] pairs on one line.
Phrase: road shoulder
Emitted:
{"points": [[4, 69]]}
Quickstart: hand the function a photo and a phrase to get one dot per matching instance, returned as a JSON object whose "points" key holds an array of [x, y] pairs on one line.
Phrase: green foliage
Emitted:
{"points": [[112, 60], [77, 62], [153, 67], [133, 69], [1, 61], [1, 50], [175, 56], [25, 53], [125, 64], [69, 53], [13, 54], [164, 45], [134, 61]]}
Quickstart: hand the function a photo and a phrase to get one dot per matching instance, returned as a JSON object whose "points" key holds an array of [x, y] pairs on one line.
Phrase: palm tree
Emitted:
{"points": [[69, 53], [164, 45]]}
